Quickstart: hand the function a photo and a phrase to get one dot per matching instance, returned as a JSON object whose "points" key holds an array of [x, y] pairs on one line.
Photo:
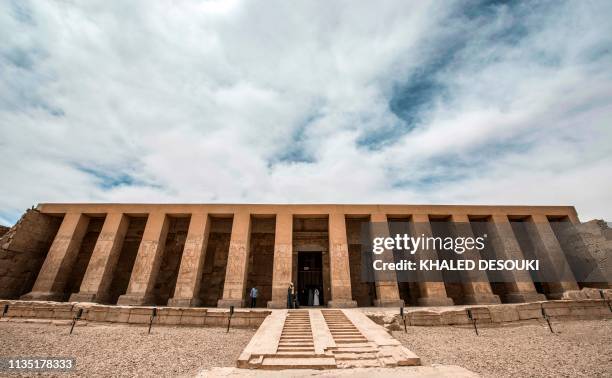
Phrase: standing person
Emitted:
{"points": [[315, 301], [290, 295], [254, 294]]}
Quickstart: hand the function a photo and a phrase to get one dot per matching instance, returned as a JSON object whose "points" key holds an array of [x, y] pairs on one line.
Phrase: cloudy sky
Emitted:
{"points": [[306, 102]]}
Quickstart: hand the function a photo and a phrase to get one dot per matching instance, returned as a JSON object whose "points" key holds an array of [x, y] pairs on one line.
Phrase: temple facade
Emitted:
{"points": [[213, 254]]}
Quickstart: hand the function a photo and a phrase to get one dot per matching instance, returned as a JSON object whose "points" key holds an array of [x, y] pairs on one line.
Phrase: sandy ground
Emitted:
{"points": [[104, 350], [579, 348]]}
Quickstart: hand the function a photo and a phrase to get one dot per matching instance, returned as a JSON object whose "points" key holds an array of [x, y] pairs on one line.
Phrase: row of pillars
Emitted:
{"points": [[54, 274]]}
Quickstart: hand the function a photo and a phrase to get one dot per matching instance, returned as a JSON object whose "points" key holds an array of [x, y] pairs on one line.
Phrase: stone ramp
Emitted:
{"points": [[323, 339]]}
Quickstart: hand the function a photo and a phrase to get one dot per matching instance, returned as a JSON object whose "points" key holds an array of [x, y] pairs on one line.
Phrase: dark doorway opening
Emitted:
{"points": [[310, 278]]}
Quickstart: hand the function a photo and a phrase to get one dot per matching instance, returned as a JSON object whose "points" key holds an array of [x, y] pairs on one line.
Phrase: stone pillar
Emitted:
{"points": [[475, 283], [432, 292], [188, 281], [99, 274], [518, 282], [55, 272], [387, 292], [283, 260], [234, 289], [548, 249], [341, 295], [148, 261]]}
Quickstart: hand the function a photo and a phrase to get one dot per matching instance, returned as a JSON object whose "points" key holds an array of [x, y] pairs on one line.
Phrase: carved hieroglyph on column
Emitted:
{"points": [[518, 282], [98, 277], [283, 263], [53, 276], [387, 293], [432, 293], [148, 260], [189, 277], [341, 295], [547, 248], [237, 262]]}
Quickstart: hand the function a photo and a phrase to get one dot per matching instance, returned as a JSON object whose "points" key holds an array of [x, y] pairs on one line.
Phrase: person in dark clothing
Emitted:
{"points": [[290, 295]]}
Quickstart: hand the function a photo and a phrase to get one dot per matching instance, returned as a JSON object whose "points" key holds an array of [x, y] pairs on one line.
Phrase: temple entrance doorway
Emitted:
{"points": [[310, 278]]}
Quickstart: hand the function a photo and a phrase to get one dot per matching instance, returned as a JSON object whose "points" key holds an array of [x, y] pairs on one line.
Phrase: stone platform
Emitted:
{"points": [[323, 339], [434, 371]]}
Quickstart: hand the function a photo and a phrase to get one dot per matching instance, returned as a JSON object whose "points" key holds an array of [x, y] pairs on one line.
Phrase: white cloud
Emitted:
{"points": [[243, 101]]}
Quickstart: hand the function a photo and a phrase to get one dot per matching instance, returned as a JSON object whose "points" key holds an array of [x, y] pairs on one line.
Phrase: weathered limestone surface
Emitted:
{"points": [[341, 295], [186, 292], [102, 251], [476, 288], [54, 274], [23, 248], [518, 283], [387, 292], [596, 241], [283, 254], [433, 293], [234, 289], [213, 276], [148, 260], [98, 277], [182, 316], [261, 260], [547, 247]]}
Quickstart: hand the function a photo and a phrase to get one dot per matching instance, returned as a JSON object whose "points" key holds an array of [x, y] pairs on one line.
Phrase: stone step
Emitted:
{"points": [[358, 363], [299, 343], [355, 356], [278, 363], [297, 334], [350, 341], [351, 346], [295, 348]]}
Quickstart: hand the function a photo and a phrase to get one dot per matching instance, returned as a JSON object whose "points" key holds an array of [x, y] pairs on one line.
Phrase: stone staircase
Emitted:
{"points": [[352, 348], [286, 341], [296, 337]]}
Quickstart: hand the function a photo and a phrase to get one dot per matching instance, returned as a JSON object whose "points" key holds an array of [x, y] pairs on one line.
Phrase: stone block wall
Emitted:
{"points": [[213, 276], [597, 238], [23, 249], [127, 256], [261, 260], [173, 251], [363, 292], [138, 315], [87, 246]]}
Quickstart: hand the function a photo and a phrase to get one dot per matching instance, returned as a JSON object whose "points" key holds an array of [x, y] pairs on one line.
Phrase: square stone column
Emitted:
{"points": [[148, 261], [431, 283], [475, 285], [55, 272], [549, 251], [387, 293], [188, 282], [283, 260], [234, 289], [341, 294], [518, 282], [99, 273]]}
